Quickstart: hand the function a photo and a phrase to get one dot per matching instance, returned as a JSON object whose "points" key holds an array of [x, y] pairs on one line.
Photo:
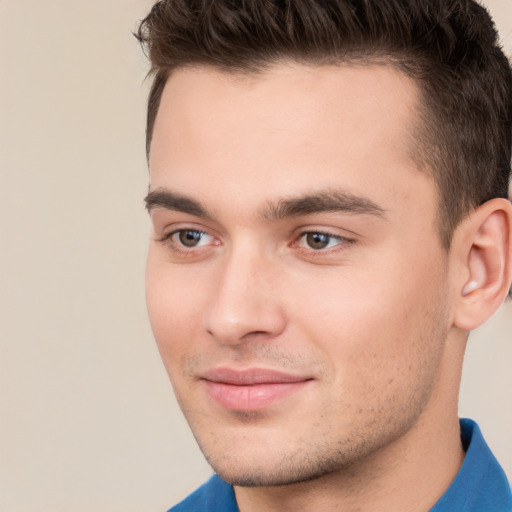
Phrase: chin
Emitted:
{"points": [[243, 470], [244, 477]]}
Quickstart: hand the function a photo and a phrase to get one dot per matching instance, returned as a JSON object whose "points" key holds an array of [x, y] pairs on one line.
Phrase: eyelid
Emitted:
{"points": [[165, 230], [342, 234]]}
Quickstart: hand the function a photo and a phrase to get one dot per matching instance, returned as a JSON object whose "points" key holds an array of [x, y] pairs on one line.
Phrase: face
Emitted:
{"points": [[296, 283]]}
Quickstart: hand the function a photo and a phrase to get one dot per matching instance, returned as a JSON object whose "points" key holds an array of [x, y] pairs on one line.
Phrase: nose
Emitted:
{"points": [[245, 301]]}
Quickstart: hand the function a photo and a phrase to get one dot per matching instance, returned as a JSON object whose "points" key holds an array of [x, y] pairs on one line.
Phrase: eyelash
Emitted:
{"points": [[182, 250]]}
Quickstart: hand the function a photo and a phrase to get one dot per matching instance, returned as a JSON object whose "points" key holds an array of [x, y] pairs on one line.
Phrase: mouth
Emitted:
{"points": [[251, 389]]}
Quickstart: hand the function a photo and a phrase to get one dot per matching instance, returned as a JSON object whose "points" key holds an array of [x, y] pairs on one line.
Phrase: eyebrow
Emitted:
{"points": [[324, 201], [318, 202], [168, 200]]}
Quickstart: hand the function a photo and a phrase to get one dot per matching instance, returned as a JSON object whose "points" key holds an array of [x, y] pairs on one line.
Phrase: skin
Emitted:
{"points": [[368, 319]]}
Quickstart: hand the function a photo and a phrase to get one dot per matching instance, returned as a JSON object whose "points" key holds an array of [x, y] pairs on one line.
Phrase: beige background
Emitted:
{"points": [[87, 418]]}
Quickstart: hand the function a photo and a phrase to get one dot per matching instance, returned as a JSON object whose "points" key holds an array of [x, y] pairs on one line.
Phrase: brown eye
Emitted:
{"points": [[190, 238], [318, 240]]}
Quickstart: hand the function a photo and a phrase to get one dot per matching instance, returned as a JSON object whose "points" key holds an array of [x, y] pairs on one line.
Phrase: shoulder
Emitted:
{"points": [[213, 496]]}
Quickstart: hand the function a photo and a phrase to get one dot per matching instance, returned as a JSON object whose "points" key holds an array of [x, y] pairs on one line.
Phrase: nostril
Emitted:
{"points": [[256, 333], [232, 337]]}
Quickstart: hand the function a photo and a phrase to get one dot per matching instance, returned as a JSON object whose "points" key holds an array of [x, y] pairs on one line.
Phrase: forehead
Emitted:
{"points": [[348, 97], [286, 129]]}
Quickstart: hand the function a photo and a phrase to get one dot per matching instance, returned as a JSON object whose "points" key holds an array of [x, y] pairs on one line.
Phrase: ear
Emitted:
{"points": [[484, 256]]}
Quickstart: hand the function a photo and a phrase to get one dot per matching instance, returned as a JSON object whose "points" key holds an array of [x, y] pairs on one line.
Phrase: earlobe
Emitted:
{"points": [[486, 254]]}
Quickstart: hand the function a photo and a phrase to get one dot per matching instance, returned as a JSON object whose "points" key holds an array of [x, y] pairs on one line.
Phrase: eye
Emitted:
{"points": [[188, 244], [318, 240], [189, 238]]}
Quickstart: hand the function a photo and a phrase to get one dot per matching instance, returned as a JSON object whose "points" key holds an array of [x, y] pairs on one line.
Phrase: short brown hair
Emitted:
{"points": [[450, 47]]}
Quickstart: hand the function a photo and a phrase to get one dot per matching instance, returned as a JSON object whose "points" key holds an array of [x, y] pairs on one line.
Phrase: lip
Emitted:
{"points": [[251, 389]]}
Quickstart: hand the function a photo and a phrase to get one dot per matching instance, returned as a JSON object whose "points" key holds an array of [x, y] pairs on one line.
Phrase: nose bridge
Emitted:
{"points": [[244, 301]]}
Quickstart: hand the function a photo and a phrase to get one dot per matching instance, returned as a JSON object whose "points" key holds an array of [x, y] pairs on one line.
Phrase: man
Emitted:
{"points": [[328, 195]]}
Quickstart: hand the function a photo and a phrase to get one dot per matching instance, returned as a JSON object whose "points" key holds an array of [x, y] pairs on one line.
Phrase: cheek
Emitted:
{"points": [[376, 329], [173, 309]]}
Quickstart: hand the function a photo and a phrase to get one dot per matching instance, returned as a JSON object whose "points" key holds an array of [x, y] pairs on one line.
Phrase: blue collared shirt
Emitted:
{"points": [[480, 485]]}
